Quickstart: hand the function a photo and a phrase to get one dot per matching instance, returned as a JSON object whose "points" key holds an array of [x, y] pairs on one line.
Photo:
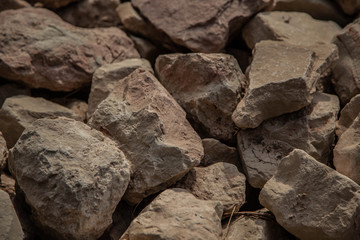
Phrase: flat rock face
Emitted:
{"points": [[286, 87], [311, 211], [293, 27], [201, 26], [220, 182], [43, 51], [349, 6], [348, 115], [18, 112], [107, 76], [311, 129], [207, 86], [73, 177], [10, 227], [3, 152], [195, 218], [152, 130]]}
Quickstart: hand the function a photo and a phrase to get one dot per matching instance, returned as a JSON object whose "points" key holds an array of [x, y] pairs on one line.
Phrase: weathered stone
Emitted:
{"points": [[348, 115], [107, 76], [293, 27], [18, 112], [175, 214], [79, 107], [13, 4], [73, 177], [311, 200], [152, 130], [280, 82], [3, 152], [349, 6], [311, 129], [201, 26], [9, 90], [207, 86], [10, 227], [220, 182], [53, 4], [43, 51]]}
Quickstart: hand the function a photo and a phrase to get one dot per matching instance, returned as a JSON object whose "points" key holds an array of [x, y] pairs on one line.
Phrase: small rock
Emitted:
{"points": [[3, 153], [207, 86], [18, 112], [73, 177], [177, 214], [9, 90], [152, 130], [348, 115], [13, 4], [311, 200], [349, 6]]}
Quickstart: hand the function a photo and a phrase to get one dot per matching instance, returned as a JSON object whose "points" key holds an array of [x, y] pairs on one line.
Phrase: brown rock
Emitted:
{"points": [[348, 115], [3, 152], [349, 6], [13, 4], [42, 51]]}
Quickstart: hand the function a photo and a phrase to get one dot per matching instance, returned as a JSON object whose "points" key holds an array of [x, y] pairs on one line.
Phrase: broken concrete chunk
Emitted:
{"points": [[348, 115]]}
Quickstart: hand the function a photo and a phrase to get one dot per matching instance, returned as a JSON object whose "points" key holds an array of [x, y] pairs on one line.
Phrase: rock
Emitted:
{"points": [[293, 27], [51, 3], [174, 213], [152, 130], [73, 177], [32, 53], [3, 153], [311, 129], [18, 112], [348, 115], [349, 6], [207, 86], [107, 76], [13, 4], [287, 87], [147, 49], [311, 200], [197, 25], [79, 107], [9, 90], [7, 184], [220, 182], [10, 227], [92, 13]]}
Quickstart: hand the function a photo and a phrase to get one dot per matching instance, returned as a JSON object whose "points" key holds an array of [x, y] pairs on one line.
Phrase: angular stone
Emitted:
{"points": [[280, 82], [3, 152], [220, 182], [201, 26], [174, 213], [54, 4], [207, 86], [293, 27], [10, 227], [13, 4], [107, 76], [348, 115], [152, 130], [311, 129], [18, 112], [73, 177], [43, 51], [9, 90], [349, 6], [311, 200]]}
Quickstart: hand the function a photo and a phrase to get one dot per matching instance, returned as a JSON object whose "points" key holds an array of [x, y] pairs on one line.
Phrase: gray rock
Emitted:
{"points": [[73, 177], [207, 86], [348, 115], [152, 130], [311, 200], [3, 153], [349, 6], [177, 214], [18, 112]]}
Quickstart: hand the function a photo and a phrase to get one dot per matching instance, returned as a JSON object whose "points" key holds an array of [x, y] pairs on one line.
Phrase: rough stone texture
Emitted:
{"points": [[53, 4], [207, 86], [311, 129], [10, 227], [177, 214], [286, 88], [348, 115], [13, 4], [9, 90], [41, 50], [3, 152], [73, 177], [220, 182], [92, 13], [311, 200], [18, 112], [293, 27], [79, 107], [107, 76], [152, 130], [201, 26], [349, 6]]}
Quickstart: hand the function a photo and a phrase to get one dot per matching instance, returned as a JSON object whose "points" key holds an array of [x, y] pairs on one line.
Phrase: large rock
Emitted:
{"points": [[10, 227], [73, 177], [311, 129], [293, 27], [201, 26], [152, 130], [177, 214], [286, 88], [348, 115], [349, 6], [3, 152], [207, 86], [107, 76], [311, 200], [18, 112], [43, 51], [220, 182]]}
